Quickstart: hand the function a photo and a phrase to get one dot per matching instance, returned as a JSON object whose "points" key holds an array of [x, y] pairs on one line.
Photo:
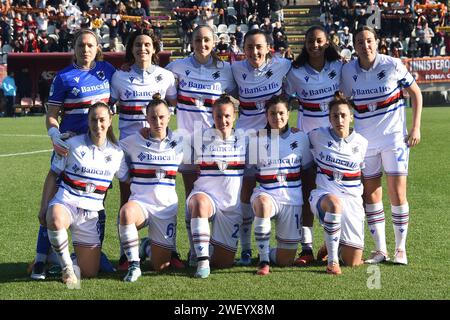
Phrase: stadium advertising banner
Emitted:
{"points": [[34, 66], [429, 70]]}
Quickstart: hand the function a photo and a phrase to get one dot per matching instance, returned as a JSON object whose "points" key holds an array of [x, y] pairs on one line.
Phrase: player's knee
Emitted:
{"points": [[55, 220], [262, 204], [333, 204], [127, 214], [199, 206]]}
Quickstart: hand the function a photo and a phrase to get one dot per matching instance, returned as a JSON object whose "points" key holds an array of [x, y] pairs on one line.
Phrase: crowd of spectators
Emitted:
{"points": [[238, 16], [49, 25], [404, 31]]}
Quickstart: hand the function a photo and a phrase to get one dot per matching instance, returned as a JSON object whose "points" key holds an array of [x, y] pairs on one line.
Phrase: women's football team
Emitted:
{"points": [[235, 177]]}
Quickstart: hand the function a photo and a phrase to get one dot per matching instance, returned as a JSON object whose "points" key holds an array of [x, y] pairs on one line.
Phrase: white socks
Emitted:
{"points": [[60, 243], [129, 239], [200, 239], [307, 238], [332, 234], [262, 236], [245, 232], [400, 219], [376, 224]]}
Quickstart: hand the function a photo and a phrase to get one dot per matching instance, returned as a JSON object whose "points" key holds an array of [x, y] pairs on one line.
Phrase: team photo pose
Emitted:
{"points": [[313, 80], [339, 153], [133, 89], [259, 77], [375, 83], [153, 156], [279, 193], [201, 79], [86, 174], [220, 158], [72, 92]]}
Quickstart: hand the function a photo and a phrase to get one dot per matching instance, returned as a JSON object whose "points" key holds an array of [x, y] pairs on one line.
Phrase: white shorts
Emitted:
{"points": [[393, 157], [352, 223], [225, 225], [84, 225], [287, 221], [161, 232]]}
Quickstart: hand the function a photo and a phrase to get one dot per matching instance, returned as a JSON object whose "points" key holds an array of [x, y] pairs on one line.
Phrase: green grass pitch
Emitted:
{"points": [[426, 276]]}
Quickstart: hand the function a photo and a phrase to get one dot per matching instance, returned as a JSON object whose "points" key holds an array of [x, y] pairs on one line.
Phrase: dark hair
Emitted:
{"points": [[156, 101], [255, 32], [223, 99], [129, 58], [110, 133], [78, 34], [338, 99], [364, 28], [331, 52], [213, 53], [275, 100]]}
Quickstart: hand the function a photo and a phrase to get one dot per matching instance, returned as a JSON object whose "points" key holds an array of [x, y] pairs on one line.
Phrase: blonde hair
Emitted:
{"points": [[78, 34]]}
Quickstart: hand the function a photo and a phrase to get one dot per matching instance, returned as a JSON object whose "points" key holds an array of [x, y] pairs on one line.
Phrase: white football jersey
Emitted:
{"points": [[134, 89], [153, 167], [314, 90], [87, 172], [339, 161], [256, 86], [281, 176], [221, 166], [378, 98], [199, 86]]}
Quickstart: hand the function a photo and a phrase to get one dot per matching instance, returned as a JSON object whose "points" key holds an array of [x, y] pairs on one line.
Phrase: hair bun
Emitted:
{"points": [[156, 96], [339, 95]]}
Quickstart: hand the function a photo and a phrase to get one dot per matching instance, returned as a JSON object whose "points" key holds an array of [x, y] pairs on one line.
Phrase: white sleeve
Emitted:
{"points": [[171, 92], [405, 77], [115, 94], [123, 173], [58, 163], [289, 85]]}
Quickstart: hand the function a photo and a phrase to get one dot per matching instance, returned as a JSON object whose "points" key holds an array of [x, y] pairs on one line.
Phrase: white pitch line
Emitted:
{"points": [[22, 135], [23, 153]]}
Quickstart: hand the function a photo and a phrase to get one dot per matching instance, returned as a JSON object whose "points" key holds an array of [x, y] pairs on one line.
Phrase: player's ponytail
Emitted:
{"points": [[156, 101], [338, 99]]}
